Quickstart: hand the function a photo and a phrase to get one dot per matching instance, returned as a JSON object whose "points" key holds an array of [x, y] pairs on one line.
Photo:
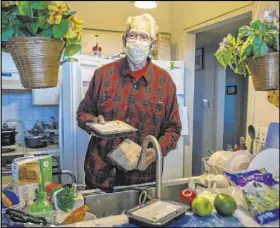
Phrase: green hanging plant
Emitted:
{"points": [[42, 19], [258, 39]]}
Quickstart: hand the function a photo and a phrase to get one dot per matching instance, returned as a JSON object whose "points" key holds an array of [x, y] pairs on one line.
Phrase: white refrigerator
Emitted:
{"points": [[73, 141]]}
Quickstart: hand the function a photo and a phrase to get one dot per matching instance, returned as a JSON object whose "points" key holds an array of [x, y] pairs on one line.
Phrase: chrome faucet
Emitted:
{"points": [[142, 160]]}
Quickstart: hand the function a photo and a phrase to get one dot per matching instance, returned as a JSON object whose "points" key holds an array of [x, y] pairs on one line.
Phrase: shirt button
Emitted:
{"points": [[135, 86], [127, 120]]}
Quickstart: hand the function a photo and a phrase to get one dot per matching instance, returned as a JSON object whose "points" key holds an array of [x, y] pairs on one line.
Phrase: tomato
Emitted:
{"points": [[187, 195]]}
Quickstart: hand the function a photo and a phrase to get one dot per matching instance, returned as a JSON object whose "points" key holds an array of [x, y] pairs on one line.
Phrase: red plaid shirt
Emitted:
{"points": [[148, 104]]}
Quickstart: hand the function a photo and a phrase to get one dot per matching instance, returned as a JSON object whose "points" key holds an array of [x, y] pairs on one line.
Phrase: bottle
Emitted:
{"points": [[78, 197], [41, 204]]}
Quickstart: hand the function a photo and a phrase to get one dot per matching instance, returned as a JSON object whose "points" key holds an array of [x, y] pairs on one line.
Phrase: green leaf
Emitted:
{"points": [[230, 39], [46, 33], [244, 31], [26, 19], [24, 8], [35, 27], [260, 48], [38, 5], [60, 30], [223, 57], [258, 25], [8, 8], [42, 21], [72, 49], [7, 33]]}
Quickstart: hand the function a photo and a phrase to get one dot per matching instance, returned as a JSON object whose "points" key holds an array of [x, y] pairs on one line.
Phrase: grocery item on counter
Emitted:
{"points": [[26, 171], [262, 198], [233, 191], [202, 206], [64, 199], [224, 204], [26, 192], [41, 204], [46, 170], [77, 215], [188, 195], [219, 181]]}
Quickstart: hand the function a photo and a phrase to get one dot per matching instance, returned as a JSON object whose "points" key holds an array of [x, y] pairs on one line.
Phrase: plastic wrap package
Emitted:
{"points": [[260, 192], [233, 191]]}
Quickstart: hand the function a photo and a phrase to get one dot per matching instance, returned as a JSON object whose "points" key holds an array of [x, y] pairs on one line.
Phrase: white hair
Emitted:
{"points": [[146, 17]]}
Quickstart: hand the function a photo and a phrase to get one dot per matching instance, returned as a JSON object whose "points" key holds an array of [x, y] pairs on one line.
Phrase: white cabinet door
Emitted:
{"points": [[47, 96]]}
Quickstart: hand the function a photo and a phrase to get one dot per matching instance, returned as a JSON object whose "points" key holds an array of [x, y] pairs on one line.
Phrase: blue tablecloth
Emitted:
{"points": [[190, 220]]}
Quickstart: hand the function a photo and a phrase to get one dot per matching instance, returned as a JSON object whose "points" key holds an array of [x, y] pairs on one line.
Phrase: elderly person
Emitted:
{"points": [[136, 91]]}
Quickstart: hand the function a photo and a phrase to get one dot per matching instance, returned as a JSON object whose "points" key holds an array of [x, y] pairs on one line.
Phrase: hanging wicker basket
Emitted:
{"points": [[265, 71], [37, 60]]}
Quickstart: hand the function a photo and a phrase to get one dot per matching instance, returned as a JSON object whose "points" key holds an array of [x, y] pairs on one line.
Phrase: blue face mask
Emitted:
{"points": [[137, 51]]}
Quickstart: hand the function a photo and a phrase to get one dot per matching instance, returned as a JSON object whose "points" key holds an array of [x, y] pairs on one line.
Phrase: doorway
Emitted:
{"points": [[219, 117]]}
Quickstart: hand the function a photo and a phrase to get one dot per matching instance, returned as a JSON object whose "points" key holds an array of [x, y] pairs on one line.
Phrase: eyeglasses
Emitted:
{"points": [[141, 36]]}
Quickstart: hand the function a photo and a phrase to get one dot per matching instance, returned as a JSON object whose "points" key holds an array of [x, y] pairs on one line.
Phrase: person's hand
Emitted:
{"points": [[150, 158], [100, 119]]}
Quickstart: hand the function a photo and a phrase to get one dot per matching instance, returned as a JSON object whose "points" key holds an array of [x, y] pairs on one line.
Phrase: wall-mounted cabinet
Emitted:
{"points": [[47, 96], [10, 74]]}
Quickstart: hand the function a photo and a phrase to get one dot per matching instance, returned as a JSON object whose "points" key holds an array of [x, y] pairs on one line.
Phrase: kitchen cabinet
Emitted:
{"points": [[10, 74], [48, 96]]}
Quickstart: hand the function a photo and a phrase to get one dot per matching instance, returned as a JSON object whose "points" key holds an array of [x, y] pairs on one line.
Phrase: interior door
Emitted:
{"points": [[203, 120]]}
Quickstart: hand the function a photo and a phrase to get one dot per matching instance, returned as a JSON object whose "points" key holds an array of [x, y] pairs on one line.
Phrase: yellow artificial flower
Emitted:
{"points": [[75, 28], [56, 11]]}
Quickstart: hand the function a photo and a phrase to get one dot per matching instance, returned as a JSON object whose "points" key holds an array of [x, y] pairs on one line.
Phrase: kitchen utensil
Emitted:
{"points": [[272, 138], [22, 217], [252, 133], [8, 135], [156, 213], [33, 141], [19, 126], [239, 161], [268, 159]]}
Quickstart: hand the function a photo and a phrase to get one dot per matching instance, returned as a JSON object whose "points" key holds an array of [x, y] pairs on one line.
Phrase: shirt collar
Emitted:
{"points": [[125, 69]]}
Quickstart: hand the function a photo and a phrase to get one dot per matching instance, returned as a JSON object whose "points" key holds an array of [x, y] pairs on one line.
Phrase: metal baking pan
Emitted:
{"points": [[111, 127], [156, 213], [126, 155]]}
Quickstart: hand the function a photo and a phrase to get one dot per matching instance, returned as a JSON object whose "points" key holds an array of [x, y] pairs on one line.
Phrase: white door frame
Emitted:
{"points": [[188, 55]]}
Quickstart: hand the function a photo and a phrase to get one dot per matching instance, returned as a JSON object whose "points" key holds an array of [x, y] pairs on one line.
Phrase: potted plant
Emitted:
{"points": [[255, 51], [36, 33]]}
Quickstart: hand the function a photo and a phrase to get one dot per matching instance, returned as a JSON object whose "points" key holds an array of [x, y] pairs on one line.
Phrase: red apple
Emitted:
{"points": [[187, 195]]}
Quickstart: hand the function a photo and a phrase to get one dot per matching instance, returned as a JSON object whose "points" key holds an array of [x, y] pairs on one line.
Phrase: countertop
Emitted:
{"points": [[20, 149]]}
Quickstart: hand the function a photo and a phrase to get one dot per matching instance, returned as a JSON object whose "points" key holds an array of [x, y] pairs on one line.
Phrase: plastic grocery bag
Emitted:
{"points": [[260, 192]]}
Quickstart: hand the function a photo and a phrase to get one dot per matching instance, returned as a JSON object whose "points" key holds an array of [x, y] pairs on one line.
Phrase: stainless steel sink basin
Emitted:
{"points": [[106, 204], [171, 193]]}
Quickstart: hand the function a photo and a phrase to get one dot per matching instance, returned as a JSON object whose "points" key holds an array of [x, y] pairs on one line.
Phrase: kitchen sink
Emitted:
{"points": [[106, 204]]}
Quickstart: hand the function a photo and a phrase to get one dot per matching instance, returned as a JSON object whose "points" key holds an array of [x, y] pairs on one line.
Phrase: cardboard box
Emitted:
{"points": [[26, 171], [46, 170]]}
